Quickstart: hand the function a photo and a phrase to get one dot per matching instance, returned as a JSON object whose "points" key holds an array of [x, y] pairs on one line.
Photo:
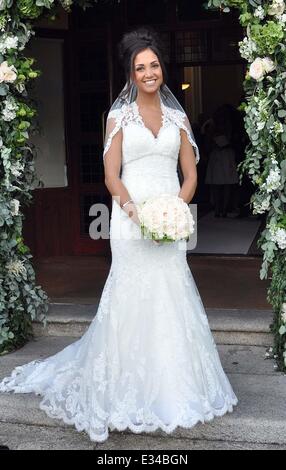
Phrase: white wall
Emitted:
{"points": [[48, 92]]}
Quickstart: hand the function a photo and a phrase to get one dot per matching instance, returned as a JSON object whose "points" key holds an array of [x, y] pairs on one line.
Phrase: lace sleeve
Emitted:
{"points": [[113, 125], [183, 122]]}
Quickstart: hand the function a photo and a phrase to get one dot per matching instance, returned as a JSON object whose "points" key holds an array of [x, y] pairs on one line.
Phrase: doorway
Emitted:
{"points": [[206, 90]]}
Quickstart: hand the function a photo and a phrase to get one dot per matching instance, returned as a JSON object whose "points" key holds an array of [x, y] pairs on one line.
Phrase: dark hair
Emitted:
{"points": [[134, 42]]}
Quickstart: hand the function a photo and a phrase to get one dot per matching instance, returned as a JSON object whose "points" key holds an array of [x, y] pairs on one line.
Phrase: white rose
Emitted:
{"points": [[276, 8], [268, 64], [7, 73], [11, 42], [257, 69]]}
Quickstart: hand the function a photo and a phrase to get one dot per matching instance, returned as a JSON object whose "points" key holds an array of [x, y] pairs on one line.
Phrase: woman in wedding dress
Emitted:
{"points": [[148, 360]]}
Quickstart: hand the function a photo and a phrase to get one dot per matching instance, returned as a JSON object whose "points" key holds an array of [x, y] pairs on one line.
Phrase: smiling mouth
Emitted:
{"points": [[150, 82]]}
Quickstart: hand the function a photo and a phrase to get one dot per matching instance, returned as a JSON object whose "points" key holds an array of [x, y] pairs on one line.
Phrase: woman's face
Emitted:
{"points": [[148, 74]]}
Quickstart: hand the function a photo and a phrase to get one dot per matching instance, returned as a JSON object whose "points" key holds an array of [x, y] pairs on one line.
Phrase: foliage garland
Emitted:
{"points": [[264, 47], [21, 300]]}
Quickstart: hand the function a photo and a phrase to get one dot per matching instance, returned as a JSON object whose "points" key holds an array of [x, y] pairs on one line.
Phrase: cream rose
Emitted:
{"points": [[257, 69], [268, 64], [276, 8], [260, 67], [7, 73]]}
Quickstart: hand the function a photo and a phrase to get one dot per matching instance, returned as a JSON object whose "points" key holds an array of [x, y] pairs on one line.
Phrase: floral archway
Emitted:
{"points": [[264, 48]]}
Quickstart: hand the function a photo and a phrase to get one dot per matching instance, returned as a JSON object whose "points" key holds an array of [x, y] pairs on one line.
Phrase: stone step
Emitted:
{"points": [[258, 421], [229, 326], [30, 437], [236, 359]]}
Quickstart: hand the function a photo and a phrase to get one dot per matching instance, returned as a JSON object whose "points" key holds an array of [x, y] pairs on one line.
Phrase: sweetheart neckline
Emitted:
{"points": [[155, 137], [166, 125], [159, 132]]}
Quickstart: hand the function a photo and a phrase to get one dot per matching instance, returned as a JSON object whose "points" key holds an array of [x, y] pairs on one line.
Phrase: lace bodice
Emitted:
{"points": [[149, 163], [139, 141]]}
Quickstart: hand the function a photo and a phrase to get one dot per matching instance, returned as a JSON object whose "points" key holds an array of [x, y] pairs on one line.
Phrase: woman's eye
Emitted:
{"points": [[141, 68]]}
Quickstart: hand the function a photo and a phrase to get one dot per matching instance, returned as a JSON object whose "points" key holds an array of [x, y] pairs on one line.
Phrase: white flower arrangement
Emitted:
{"points": [[166, 218], [10, 108], [247, 48], [277, 128], [16, 169], [8, 41], [273, 180], [278, 236], [259, 12], [261, 208]]}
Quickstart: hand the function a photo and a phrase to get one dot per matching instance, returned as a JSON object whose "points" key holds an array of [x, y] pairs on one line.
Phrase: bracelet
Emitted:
{"points": [[127, 202]]}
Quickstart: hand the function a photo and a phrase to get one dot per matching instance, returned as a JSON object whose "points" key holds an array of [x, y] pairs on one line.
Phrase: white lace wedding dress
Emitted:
{"points": [[148, 359]]}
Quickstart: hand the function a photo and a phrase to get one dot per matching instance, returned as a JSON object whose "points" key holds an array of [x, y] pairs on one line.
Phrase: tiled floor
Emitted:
{"points": [[254, 250], [223, 282]]}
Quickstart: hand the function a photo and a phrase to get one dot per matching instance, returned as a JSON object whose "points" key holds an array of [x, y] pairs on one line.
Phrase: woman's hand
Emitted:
{"points": [[131, 211]]}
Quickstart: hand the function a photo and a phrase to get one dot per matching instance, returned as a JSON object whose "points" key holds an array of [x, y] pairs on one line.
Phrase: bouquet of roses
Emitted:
{"points": [[166, 218]]}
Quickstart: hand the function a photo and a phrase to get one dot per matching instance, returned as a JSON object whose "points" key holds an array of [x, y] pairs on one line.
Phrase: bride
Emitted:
{"points": [[148, 360]]}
